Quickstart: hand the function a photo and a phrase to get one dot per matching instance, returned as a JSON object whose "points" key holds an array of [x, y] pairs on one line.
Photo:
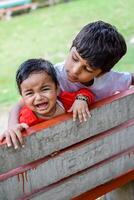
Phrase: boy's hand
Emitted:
{"points": [[80, 109], [13, 135]]}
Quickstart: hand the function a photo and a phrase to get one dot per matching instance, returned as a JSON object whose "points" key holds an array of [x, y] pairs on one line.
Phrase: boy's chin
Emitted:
{"points": [[72, 79]]}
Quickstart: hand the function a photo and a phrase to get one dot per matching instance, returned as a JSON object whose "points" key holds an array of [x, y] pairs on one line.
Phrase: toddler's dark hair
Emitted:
{"points": [[34, 66], [100, 44]]}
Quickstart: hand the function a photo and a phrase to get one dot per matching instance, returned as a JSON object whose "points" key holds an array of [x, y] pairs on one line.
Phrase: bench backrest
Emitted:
{"points": [[62, 159]]}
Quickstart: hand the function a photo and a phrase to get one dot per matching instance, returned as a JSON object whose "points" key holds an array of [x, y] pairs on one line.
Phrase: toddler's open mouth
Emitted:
{"points": [[42, 106]]}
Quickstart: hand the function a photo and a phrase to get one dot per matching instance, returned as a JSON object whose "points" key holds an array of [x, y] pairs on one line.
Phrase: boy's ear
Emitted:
{"points": [[102, 73]]}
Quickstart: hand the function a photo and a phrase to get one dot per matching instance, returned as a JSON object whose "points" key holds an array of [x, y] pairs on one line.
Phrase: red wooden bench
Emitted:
{"points": [[64, 160], [7, 12]]}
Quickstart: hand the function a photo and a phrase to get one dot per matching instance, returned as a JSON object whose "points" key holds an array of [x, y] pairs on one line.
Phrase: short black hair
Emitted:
{"points": [[100, 44], [34, 66]]}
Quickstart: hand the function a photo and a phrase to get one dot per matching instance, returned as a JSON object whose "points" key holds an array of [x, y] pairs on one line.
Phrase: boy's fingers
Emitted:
{"points": [[14, 140], [2, 136], [19, 137], [8, 141]]}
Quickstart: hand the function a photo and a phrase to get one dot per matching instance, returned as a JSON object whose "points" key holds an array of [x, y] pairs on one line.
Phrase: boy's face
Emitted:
{"points": [[39, 93], [77, 68]]}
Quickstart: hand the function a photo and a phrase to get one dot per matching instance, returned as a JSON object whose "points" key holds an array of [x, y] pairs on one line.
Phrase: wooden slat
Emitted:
{"points": [[62, 132], [107, 187]]}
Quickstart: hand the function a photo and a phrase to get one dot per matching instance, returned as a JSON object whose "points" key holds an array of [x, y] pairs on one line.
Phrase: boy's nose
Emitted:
{"points": [[76, 69]]}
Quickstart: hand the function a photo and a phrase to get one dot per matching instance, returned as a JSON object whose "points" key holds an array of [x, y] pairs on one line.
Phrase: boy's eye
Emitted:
{"points": [[89, 70], [28, 93]]}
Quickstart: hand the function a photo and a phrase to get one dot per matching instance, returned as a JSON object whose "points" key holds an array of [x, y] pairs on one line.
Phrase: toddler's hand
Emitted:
{"points": [[13, 135], [80, 109]]}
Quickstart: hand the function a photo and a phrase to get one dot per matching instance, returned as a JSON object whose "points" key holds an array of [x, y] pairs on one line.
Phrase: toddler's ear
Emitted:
{"points": [[58, 90]]}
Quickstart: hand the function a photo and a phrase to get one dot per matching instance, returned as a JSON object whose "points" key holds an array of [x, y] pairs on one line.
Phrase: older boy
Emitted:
{"points": [[94, 52]]}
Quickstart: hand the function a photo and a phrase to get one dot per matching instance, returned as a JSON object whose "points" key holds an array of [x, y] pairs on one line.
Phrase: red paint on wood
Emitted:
{"points": [[22, 177], [62, 181], [107, 187], [38, 162]]}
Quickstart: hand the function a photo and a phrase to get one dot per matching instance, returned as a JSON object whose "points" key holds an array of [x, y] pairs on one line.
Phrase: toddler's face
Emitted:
{"points": [[77, 68], [39, 93]]}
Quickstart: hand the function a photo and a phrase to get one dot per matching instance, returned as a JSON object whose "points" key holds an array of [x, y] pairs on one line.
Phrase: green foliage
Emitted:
{"points": [[48, 32]]}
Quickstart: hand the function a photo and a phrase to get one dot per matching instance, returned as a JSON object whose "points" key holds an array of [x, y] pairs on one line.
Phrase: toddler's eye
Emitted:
{"points": [[45, 89]]}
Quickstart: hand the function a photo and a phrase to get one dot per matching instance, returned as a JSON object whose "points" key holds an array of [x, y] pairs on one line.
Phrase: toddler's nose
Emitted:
{"points": [[38, 96]]}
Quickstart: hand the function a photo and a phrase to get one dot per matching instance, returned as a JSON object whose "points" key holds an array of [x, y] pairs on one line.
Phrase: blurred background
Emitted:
{"points": [[48, 31]]}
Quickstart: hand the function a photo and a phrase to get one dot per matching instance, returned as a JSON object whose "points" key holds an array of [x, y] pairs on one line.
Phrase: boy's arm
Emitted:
{"points": [[13, 136], [13, 118]]}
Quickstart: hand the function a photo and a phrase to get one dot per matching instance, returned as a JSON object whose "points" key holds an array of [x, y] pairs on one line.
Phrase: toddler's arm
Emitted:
{"points": [[78, 102]]}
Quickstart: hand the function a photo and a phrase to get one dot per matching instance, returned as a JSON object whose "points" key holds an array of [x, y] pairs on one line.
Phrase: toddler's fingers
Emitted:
{"points": [[80, 116], [88, 113], [23, 126], [70, 110], [74, 116], [84, 116]]}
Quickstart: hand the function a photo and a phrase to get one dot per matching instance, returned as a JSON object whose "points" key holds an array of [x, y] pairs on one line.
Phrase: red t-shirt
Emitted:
{"points": [[67, 99]]}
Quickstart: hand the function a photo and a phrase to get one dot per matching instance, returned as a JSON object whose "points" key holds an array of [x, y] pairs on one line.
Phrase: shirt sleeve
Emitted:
{"points": [[120, 80], [110, 83], [68, 98], [27, 116]]}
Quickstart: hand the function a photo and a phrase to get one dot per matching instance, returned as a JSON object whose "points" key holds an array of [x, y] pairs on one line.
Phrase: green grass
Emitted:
{"points": [[48, 33]]}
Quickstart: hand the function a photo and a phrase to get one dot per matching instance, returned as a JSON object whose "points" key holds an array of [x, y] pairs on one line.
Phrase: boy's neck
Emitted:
{"points": [[91, 82]]}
